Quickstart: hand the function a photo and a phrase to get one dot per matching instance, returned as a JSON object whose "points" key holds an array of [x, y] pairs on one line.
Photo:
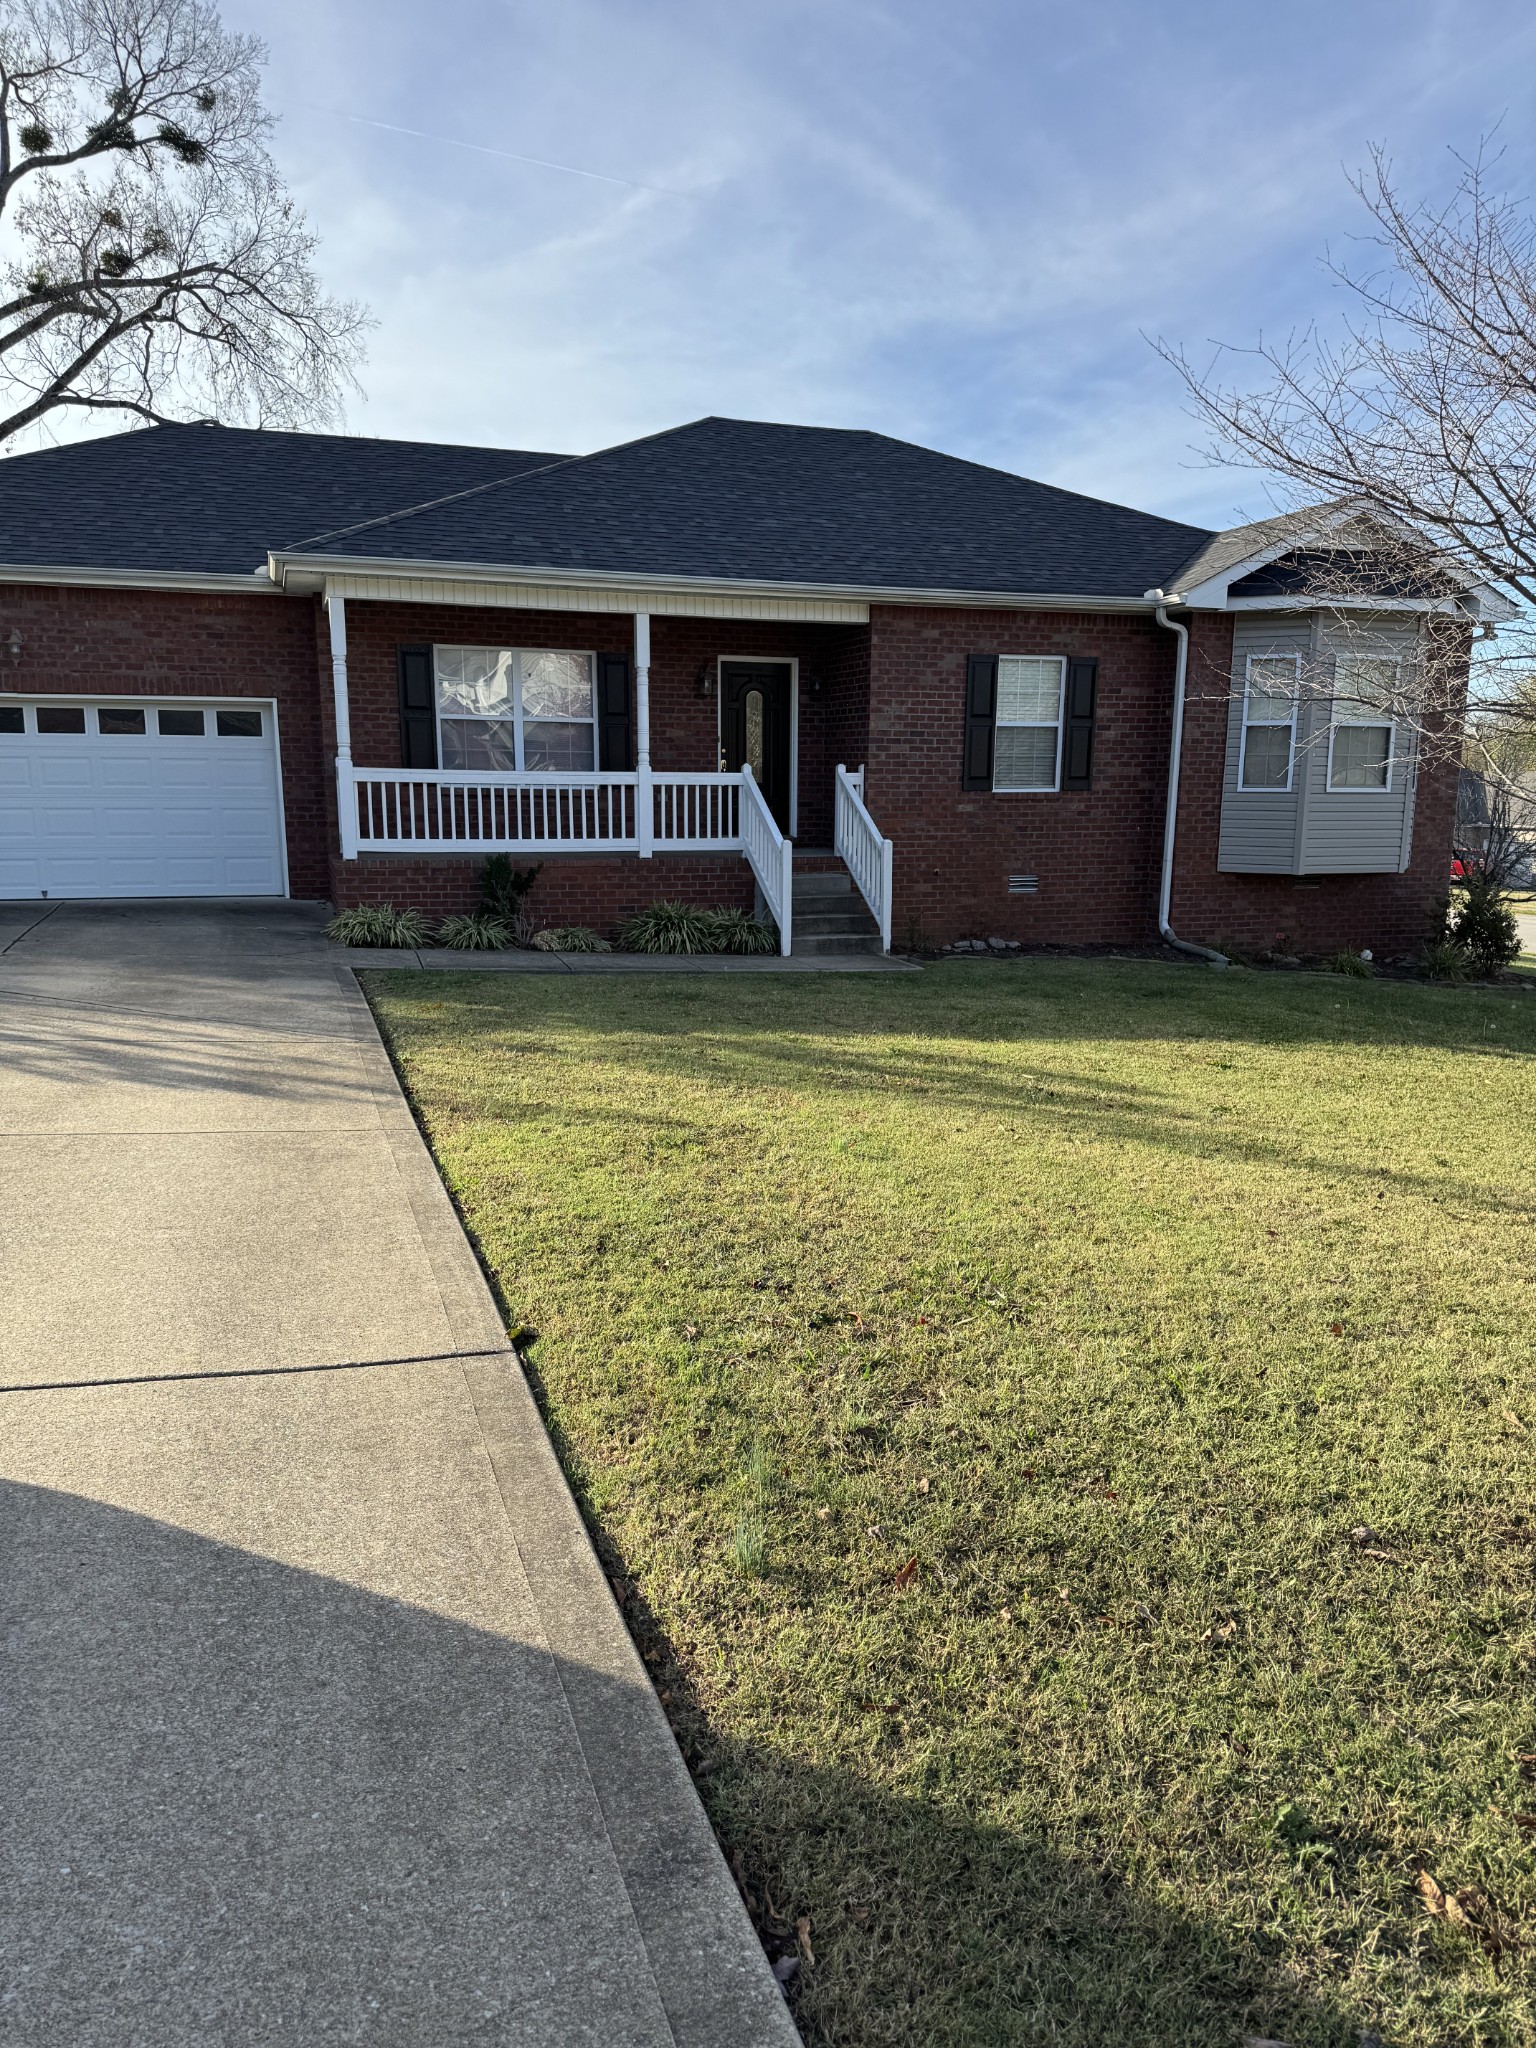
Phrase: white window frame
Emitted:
{"points": [[588, 655], [1380, 721], [1268, 788], [1052, 788]]}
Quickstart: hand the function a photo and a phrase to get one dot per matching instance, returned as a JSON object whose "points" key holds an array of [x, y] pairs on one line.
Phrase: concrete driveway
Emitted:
{"points": [[319, 1722]]}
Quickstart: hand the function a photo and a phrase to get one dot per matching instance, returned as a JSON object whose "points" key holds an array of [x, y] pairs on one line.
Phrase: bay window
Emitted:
{"points": [[1360, 743], [1269, 721]]}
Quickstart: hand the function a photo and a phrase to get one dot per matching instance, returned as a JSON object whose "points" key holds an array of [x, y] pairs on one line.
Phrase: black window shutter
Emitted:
{"points": [[613, 712], [418, 713], [1077, 740], [980, 720]]}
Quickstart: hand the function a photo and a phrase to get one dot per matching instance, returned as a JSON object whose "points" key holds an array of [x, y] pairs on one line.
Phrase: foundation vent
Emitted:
{"points": [[1023, 885]]}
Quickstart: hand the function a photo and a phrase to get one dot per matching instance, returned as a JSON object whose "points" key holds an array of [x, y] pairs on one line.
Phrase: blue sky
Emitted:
{"points": [[950, 222]]}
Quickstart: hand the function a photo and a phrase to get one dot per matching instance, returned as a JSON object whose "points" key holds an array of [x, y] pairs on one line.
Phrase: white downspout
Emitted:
{"points": [[1171, 818]]}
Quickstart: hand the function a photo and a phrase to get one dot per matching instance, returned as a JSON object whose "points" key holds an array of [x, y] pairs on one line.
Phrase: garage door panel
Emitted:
{"points": [[130, 814], [138, 773], [53, 773]]}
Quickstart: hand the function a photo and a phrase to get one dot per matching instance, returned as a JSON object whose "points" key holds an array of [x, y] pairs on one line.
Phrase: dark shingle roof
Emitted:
{"points": [[214, 500], [741, 499], [720, 499]]}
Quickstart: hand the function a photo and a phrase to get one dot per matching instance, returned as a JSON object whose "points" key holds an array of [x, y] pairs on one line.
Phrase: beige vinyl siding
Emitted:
{"points": [[1311, 829], [1260, 827]]}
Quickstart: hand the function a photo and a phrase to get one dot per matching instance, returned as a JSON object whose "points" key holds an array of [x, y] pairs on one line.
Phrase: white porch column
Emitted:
{"points": [[346, 793], [645, 817]]}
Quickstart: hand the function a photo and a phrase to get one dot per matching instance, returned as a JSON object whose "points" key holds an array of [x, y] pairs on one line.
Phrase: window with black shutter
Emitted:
{"points": [[980, 720], [418, 710], [613, 699], [1077, 738]]}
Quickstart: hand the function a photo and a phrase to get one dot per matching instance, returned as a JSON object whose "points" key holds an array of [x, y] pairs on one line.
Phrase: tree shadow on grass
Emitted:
{"points": [[252, 1802]]}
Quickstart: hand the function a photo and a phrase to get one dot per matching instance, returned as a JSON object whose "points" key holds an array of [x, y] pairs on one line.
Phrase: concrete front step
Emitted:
{"points": [[817, 884], [810, 944]]}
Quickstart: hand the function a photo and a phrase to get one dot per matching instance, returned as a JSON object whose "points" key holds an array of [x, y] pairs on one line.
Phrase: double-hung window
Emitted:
{"points": [[1360, 743], [1027, 750], [1270, 693], [515, 708]]}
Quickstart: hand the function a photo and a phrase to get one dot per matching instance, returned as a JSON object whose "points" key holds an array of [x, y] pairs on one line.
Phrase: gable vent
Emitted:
{"points": [[1023, 885]]}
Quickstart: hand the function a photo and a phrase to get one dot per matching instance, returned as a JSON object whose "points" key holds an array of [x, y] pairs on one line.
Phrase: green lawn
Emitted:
{"points": [[1063, 1431]]}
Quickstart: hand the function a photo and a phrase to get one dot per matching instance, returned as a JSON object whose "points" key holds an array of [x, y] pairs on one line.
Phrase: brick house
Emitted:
{"points": [[724, 664]]}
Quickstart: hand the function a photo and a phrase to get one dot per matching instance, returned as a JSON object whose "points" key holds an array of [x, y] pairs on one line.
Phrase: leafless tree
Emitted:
{"points": [[152, 262], [1415, 425]]}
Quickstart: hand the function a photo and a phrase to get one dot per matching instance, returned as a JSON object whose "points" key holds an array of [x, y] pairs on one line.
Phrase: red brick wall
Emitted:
{"points": [[572, 889], [1095, 851], [130, 643], [1098, 852]]}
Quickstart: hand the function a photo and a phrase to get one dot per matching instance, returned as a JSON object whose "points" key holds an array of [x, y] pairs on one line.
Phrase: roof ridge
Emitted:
{"points": [[491, 484]]}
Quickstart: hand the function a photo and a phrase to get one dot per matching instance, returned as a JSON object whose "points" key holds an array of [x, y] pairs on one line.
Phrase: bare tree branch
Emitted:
{"points": [[1420, 415], [152, 261]]}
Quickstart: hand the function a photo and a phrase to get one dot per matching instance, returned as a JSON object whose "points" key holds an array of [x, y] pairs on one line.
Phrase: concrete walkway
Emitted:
{"points": [[518, 961], [319, 1722]]}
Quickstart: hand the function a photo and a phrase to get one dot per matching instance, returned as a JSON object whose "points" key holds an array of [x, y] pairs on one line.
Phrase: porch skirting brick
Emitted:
{"points": [[592, 889]]}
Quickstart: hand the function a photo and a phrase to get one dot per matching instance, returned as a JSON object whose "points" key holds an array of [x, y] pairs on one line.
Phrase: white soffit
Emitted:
{"points": [[565, 597]]}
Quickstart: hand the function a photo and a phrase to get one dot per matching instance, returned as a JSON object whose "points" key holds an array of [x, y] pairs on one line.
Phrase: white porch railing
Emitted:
{"points": [[771, 854], [436, 810], [862, 849], [419, 810]]}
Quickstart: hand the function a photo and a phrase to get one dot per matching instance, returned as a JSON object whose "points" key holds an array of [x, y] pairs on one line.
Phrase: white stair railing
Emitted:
{"points": [[863, 850], [771, 855]]}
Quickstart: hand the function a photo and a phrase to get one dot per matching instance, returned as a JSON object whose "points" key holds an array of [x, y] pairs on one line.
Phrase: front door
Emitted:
{"points": [[755, 705]]}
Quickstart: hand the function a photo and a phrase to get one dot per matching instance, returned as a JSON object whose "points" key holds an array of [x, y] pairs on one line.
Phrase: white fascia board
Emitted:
{"points": [[259, 584], [309, 572], [1481, 600]]}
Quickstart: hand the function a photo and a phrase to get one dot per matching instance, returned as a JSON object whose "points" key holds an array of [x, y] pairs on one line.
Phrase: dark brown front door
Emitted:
{"points": [[755, 726]]}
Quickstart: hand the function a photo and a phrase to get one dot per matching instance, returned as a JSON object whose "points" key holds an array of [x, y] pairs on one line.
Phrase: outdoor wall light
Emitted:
{"points": [[812, 683], [707, 680], [15, 643]]}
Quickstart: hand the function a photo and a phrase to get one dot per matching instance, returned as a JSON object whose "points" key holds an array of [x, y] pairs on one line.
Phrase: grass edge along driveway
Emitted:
{"points": [[1061, 1432]]}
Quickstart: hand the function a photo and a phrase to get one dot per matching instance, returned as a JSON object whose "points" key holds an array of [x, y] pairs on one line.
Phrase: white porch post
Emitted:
{"points": [[346, 792], [645, 817]]}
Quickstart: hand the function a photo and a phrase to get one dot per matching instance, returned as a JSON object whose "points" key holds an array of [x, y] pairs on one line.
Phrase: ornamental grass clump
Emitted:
{"points": [[739, 931], [379, 924], [671, 928], [476, 932], [686, 928], [1346, 961]]}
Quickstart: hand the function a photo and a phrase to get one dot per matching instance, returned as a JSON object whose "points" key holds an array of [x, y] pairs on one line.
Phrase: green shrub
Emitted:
{"points": [[478, 932], [738, 931], [671, 928], [379, 924], [1483, 924], [1445, 960], [503, 887], [570, 938], [1347, 962]]}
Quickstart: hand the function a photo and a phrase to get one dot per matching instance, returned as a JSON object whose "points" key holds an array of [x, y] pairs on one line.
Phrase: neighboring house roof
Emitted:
{"points": [[742, 500], [720, 499], [215, 500]]}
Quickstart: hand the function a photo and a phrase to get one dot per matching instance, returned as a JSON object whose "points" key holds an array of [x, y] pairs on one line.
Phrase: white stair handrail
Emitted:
{"points": [[863, 849], [771, 854]]}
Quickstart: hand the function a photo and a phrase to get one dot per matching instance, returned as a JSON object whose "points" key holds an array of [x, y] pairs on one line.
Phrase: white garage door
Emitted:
{"points": [[135, 798]]}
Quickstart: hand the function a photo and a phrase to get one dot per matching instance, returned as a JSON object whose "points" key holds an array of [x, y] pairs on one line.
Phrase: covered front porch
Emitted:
{"points": [[531, 727]]}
